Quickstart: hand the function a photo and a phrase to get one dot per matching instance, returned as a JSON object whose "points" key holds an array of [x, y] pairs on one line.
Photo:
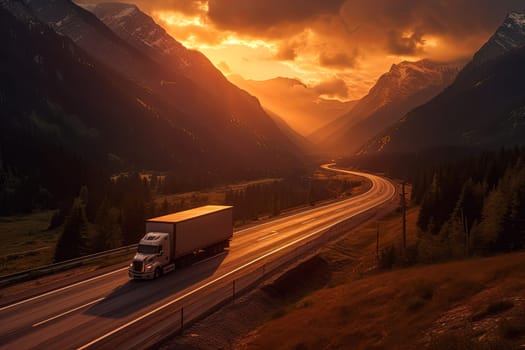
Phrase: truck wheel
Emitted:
{"points": [[157, 273]]}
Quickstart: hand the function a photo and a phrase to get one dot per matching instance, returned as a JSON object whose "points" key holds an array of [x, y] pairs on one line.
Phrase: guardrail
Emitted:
{"points": [[183, 311], [47, 269]]}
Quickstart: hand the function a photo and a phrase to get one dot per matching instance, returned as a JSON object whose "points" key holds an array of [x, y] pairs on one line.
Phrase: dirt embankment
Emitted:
{"points": [[336, 300]]}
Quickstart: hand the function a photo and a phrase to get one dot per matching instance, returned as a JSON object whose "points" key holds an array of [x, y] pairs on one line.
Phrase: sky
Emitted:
{"points": [[338, 46]]}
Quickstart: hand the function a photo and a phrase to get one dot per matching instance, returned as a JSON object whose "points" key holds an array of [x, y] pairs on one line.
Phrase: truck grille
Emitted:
{"points": [[137, 266]]}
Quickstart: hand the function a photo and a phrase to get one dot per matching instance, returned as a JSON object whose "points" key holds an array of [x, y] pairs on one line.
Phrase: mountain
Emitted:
{"points": [[65, 115], [405, 86], [300, 106], [483, 108], [230, 125], [509, 36], [142, 33]]}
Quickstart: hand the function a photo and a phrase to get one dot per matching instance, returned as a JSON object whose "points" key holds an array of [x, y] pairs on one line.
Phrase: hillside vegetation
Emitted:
{"points": [[339, 299]]}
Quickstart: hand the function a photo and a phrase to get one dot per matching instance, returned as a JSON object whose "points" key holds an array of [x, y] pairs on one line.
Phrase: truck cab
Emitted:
{"points": [[153, 257]]}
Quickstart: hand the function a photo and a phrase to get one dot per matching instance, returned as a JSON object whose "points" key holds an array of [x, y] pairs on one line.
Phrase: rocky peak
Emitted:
{"points": [[508, 37]]}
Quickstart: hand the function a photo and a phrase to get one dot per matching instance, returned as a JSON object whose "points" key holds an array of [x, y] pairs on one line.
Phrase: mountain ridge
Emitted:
{"points": [[483, 108], [405, 86], [299, 105]]}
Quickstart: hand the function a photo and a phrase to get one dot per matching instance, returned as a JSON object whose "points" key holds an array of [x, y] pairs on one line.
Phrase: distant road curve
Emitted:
{"points": [[111, 311]]}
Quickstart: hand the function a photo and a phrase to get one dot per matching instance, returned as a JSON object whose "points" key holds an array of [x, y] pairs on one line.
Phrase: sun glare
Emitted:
{"points": [[177, 19]]}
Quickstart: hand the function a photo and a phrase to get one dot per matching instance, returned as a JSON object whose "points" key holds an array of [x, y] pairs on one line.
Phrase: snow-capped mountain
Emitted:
{"points": [[406, 86], [509, 36], [483, 108]]}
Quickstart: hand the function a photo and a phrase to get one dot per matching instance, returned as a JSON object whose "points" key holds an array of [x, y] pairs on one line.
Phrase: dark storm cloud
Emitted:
{"points": [[339, 60], [401, 44], [262, 16], [387, 20]]}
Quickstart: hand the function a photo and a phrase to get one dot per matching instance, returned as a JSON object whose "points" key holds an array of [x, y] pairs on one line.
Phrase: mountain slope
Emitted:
{"points": [[301, 106], [230, 128], [484, 107], [509, 36], [67, 119], [140, 31], [63, 113], [405, 86]]}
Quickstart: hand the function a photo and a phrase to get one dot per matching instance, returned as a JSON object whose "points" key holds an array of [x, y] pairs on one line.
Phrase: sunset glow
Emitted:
{"points": [[354, 42]]}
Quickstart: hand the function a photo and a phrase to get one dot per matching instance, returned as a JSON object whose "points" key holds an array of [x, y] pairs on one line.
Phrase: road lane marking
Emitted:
{"points": [[271, 234], [309, 211], [235, 233], [198, 289], [67, 312], [60, 289], [307, 221]]}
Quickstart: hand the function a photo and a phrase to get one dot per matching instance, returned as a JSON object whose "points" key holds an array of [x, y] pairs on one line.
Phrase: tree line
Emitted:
{"points": [[271, 198], [114, 213], [472, 206]]}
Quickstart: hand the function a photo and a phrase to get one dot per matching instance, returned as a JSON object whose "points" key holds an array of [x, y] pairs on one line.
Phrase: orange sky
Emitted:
{"points": [[345, 45]]}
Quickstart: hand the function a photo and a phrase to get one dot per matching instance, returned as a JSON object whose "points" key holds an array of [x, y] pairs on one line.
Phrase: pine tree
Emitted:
{"points": [[108, 234], [73, 240]]}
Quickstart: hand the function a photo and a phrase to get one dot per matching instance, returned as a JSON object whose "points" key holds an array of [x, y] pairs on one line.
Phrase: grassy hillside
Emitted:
{"points": [[340, 300], [474, 304]]}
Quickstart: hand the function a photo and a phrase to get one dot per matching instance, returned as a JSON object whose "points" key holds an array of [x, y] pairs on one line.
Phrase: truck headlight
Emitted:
{"points": [[149, 267]]}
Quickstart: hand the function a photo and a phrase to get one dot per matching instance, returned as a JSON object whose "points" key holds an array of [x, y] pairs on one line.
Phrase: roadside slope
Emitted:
{"points": [[345, 303]]}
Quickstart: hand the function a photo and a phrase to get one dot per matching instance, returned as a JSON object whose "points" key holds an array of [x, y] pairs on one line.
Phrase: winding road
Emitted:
{"points": [[112, 311]]}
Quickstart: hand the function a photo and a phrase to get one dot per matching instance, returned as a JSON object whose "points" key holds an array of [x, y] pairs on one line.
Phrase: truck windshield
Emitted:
{"points": [[148, 249]]}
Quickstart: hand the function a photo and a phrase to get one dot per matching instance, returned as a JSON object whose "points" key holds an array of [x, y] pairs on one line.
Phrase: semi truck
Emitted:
{"points": [[178, 238]]}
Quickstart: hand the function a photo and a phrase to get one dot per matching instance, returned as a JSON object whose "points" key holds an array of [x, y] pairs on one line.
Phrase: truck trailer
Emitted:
{"points": [[176, 239]]}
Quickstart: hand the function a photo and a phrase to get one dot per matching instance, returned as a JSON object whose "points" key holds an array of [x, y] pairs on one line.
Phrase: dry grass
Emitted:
{"points": [[471, 304], [25, 242]]}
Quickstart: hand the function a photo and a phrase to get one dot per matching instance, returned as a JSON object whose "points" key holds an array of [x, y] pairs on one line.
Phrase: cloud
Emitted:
{"points": [[405, 44], [400, 27], [339, 60], [275, 18], [311, 39], [335, 88], [286, 52]]}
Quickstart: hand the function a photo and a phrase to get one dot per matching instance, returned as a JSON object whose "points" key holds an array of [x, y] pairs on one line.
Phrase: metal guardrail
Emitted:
{"points": [[27, 274], [181, 313]]}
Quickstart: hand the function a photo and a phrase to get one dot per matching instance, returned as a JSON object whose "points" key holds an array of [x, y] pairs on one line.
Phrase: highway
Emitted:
{"points": [[112, 311]]}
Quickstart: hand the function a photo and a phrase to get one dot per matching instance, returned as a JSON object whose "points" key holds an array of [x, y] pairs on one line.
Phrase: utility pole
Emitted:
{"points": [[404, 212], [377, 241]]}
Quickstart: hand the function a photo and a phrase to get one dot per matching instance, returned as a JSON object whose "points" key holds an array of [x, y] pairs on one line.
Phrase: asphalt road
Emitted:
{"points": [[112, 311]]}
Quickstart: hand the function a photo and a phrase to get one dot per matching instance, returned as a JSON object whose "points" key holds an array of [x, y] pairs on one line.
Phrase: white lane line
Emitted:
{"points": [[309, 211], [60, 289], [208, 259], [67, 312], [326, 166], [271, 234], [140, 318]]}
